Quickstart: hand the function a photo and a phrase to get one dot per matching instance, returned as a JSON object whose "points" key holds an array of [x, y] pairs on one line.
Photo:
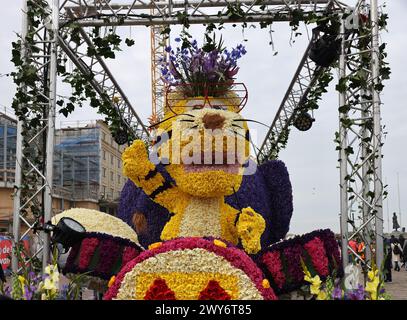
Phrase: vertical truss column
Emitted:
{"points": [[377, 134], [19, 154], [35, 128], [361, 186], [158, 44], [343, 168], [53, 38]]}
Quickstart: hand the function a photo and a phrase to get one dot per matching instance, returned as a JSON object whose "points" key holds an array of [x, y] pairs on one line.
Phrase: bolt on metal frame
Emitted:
{"points": [[105, 13]]}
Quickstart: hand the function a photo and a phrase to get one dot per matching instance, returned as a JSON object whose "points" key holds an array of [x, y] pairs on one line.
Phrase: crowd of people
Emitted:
{"points": [[395, 253]]}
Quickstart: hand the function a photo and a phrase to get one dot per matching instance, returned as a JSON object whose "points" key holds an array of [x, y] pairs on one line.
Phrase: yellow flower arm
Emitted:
{"points": [[250, 226], [138, 168]]}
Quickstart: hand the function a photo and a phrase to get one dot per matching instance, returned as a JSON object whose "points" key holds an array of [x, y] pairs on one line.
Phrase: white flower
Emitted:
{"points": [[49, 284]]}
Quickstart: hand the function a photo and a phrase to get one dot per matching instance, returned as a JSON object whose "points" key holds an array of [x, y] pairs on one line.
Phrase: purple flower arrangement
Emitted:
{"points": [[205, 71]]}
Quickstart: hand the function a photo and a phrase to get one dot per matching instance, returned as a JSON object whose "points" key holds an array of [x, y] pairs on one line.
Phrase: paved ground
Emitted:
{"points": [[398, 288]]}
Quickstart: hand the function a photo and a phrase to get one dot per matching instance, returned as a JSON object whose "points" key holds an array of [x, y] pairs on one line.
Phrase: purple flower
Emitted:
{"points": [[63, 293], [197, 66], [7, 291], [337, 293], [356, 294], [28, 294]]}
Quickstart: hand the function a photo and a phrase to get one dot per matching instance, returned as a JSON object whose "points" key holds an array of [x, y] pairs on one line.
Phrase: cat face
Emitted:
{"points": [[206, 143]]}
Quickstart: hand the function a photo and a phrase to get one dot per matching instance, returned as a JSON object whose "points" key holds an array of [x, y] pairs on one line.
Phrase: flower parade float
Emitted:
{"points": [[211, 219], [107, 245]]}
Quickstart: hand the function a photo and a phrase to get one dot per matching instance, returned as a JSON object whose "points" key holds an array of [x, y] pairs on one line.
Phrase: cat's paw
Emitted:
{"points": [[250, 226], [135, 160]]}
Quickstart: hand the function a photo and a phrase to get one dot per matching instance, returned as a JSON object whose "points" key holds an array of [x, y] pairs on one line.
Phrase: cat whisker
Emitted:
{"points": [[250, 120], [177, 115]]}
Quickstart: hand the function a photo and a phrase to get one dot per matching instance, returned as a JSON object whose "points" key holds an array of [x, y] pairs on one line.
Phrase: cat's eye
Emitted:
{"points": [[220, 107]]}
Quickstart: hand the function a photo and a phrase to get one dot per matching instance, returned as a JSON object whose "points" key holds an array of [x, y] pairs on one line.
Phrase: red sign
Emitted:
{"points": [[6, 250]]}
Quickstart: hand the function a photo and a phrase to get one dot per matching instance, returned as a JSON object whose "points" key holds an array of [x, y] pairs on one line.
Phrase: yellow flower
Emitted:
{"points": [[49, 284], [315, 283], [371, 287], [322, 295], [111, 281], [250, 227], [155, 245], [307, 273], [21, 279], [372, 274], [265, 283], [49, 269], [219, 243]]}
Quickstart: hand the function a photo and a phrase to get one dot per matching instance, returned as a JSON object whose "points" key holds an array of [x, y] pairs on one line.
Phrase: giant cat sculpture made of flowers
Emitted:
{"points": [[211, 234], [193, 198], [195, 195], [211, 218]]}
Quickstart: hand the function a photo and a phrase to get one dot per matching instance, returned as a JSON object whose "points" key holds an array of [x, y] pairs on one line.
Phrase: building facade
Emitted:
{"points": [[87, 168]]}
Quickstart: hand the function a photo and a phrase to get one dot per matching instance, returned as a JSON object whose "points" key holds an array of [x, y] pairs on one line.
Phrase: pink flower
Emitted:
{"points": [[88, 248], [273, 263], [316, 250], [129, 254]]}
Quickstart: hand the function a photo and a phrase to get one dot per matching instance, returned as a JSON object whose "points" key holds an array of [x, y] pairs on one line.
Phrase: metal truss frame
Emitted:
{"points": [[164, 13], [42, 55], [360, 138], [169, 12], [304, 79], [158, 53]]}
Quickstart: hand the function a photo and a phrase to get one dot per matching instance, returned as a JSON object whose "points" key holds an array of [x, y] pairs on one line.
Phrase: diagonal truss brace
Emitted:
{"points": [[304, 79]]}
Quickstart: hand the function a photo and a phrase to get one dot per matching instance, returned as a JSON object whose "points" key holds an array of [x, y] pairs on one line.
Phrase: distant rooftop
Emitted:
{"points": [[8, 113], [78, 124]]}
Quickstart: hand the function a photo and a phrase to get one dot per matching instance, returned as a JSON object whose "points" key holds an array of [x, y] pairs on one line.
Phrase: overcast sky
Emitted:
{"points": [[310, 156]]}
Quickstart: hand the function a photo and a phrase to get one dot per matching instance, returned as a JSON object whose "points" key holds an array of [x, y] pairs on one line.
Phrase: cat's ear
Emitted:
{"points": [[139, 223]]}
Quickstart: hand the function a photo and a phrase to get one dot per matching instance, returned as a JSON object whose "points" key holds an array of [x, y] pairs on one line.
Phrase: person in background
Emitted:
{"points": [[354, 245], [404, 254], [401, 240], [396, 253], [387, 260]]}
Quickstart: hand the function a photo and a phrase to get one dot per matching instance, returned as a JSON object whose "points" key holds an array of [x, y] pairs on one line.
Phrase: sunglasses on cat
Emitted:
{"points": [[198, 96]]}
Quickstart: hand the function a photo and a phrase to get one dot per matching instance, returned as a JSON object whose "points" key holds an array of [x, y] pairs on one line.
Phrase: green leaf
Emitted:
{"points": [[129, 42]]}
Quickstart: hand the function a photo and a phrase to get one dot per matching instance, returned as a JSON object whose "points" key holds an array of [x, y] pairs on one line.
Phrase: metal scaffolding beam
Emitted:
{"points": [[360, 137], [196, 11], [103, 81], [158, 44], [304, 79], [34, 157]]}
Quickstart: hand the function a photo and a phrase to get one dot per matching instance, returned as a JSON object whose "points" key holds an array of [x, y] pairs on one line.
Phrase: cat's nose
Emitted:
{"points": [[213, 121]]}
